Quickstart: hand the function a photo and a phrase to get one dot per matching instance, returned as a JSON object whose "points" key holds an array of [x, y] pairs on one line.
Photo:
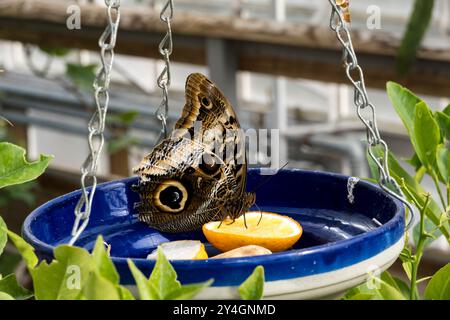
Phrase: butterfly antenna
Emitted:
{"points": [[268, 178]]}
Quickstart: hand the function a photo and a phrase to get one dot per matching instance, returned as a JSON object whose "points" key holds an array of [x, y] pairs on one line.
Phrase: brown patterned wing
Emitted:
{"points": [[209, 112], [188, 180]]}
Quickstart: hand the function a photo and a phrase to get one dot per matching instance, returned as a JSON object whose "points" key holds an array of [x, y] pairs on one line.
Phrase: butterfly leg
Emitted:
{"points": [[245, 222], [231, 222], [260, 215]]}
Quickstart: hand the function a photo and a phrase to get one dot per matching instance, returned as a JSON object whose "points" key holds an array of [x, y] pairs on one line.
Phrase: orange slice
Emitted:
{"points": [[275, 232]]}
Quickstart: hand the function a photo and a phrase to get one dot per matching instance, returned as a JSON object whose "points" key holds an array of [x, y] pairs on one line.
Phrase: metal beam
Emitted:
{"points": [[222, 64], [286, 49]]}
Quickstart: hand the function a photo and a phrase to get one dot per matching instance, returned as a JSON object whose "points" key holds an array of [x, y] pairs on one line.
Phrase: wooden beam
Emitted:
{"points": [[293, 50]]}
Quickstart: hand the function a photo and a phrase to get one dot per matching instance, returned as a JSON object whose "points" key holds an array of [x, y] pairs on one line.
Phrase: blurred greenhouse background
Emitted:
{"points": [[276, 60]]}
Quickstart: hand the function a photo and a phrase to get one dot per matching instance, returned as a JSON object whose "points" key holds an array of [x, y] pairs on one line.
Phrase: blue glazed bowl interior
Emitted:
{"points": [[336, 232], [318, 202]]}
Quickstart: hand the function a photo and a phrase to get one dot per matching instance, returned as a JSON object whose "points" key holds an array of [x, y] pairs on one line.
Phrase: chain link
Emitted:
{"points": [[364, 108], [163, 81], [96, 125]]}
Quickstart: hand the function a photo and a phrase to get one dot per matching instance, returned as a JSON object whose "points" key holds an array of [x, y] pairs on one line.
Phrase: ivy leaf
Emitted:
{"points": [[5, 296], [9, 262], [446, 110], [439, 286], [103, 263], [63, 278], [82, 76], [389, 292], [10, 286], [15, 169], [163, 278], [3, 235], [25, 249], [146, 291], [189, 291], [253, 287], [163, 284], [396, 283], [124, 293], [97, 287], [426, 135], [383, 288]]}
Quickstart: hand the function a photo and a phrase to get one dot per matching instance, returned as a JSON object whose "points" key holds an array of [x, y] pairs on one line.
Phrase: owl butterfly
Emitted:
{"points": [[198, 174]]}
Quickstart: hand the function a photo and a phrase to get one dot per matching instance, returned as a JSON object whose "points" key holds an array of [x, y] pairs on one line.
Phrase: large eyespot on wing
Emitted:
{"points": [[170, 196]]}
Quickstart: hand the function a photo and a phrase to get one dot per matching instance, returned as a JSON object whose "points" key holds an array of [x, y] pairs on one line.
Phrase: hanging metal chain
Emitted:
{"points": [[165, 49], [96, 125], [354, 72]]}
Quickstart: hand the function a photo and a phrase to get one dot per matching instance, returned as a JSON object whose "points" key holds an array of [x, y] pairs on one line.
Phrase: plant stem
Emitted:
{"points": [[448, 194], [414, 293], [438, 188]]}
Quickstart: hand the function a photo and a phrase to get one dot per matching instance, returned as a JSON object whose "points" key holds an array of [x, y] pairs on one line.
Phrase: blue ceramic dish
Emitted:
{"points": [[340, 240]]}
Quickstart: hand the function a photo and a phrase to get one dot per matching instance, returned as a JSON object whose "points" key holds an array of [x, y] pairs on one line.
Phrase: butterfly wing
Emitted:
{"points": [[205, 169]]}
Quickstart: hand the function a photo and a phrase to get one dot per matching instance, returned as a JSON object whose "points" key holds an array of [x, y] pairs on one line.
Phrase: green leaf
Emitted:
{"points": [[189, 291], [103, 263], [439, 286], [396, 283], [9, 262], [121, 143], [433, 211], [145, 290], [415, 162], [97, 287], [19, 193], [82, 76], [389, 292], [26, 250], [55, 51], [163, 278], [443, 120], [5, 296], [3, 235], [253, 287], [63, 278], [446, 111], [426, 135], [417, 26], [429, 227], [124, 293], [443, 163], [404, 102], [360, 296], [15, 169], [124, 118], [378, 290], [163, 284], [10, 286]]}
